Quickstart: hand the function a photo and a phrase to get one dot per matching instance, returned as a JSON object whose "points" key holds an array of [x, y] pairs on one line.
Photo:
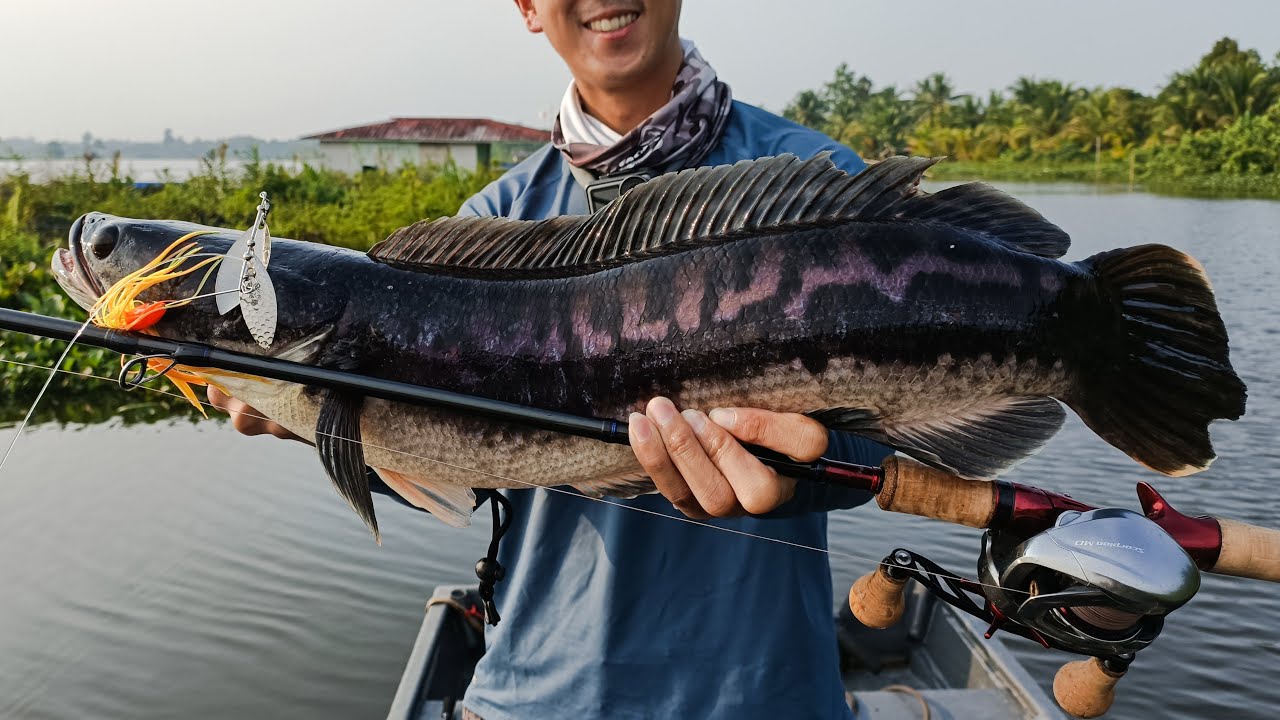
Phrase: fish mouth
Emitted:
{"points": [[72, 272]]}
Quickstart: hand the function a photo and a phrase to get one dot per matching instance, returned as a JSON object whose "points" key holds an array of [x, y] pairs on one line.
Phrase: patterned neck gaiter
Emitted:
{"points": [[678, 135]]}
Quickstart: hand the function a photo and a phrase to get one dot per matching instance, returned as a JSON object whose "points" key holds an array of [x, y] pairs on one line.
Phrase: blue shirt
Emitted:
{"points": [[612, 613]]}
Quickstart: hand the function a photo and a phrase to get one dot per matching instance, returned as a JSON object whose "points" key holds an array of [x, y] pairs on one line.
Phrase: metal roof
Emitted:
{"points": [[437, 130]]}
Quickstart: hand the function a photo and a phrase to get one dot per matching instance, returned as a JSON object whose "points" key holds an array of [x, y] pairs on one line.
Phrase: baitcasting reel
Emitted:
{"points": [[1097, 583]]}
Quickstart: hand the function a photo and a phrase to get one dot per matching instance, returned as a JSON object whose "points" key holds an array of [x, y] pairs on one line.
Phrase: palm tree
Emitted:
{"points": [[967, 113], [1118, 118], [1243, 89], [1044, 107], [808, 109], [1226, 84], [933, 96], [845, 95], [887, 119], [1186, 103]]}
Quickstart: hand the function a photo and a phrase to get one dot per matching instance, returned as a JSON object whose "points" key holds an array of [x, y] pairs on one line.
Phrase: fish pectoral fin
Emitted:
{"points": [[342, 454], [979, 442], [452, 504], [859, 421], [621, 486]]}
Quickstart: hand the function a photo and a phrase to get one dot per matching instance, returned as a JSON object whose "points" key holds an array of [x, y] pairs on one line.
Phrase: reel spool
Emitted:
{"points": [[1097, 583]]}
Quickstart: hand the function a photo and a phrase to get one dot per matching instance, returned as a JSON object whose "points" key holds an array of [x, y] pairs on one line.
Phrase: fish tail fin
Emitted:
{"points": [[1162, 373]]}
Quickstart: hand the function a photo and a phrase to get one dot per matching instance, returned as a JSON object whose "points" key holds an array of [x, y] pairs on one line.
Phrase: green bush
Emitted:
{"points": [[1248, 147]]}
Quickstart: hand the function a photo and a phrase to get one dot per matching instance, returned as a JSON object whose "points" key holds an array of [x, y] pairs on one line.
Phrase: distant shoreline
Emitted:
{"points": [[1112, 174]]}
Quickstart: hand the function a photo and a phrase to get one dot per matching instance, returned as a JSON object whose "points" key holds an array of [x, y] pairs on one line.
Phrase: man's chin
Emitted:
{"points": [[618, 69]]}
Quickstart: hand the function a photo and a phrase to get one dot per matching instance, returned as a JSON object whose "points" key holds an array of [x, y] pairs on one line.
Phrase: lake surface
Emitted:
{"points": [[180, 570], [147, 170]]}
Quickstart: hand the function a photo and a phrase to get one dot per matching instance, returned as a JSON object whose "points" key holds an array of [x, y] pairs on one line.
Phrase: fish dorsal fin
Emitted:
{"points": [[674, 212], [1000, 217]]}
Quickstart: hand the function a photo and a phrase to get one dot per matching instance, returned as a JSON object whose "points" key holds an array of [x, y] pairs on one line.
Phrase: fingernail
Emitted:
{"points": [[640, 427], [662, 411], [724, 417], [696, 420]]}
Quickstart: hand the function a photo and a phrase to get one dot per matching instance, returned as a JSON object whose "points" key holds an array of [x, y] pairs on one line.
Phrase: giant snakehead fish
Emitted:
{"points": [[943, 325]]}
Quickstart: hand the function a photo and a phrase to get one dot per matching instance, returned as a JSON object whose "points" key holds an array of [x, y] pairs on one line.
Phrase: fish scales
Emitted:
{"points": [[943, 325], [905, 298]]}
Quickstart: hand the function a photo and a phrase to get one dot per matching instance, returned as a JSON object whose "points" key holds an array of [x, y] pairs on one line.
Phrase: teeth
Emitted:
{"points": [[613, 23]]}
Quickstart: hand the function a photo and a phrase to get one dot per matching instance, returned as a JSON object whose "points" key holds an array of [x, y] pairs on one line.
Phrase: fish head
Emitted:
{"points": [[104, 249]]}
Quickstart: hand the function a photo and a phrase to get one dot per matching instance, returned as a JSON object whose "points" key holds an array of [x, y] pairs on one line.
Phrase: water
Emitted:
{"points": [[139, 169], [180, 570]]}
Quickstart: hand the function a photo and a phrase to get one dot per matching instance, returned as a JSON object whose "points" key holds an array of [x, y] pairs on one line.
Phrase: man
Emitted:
{"points": [[609, 612]]}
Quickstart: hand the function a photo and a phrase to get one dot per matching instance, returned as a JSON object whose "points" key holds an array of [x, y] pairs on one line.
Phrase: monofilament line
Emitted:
{"points": [[47, 381]]}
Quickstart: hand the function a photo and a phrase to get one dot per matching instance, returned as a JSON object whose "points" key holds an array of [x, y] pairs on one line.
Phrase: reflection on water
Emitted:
{"points": [[180, 570]]}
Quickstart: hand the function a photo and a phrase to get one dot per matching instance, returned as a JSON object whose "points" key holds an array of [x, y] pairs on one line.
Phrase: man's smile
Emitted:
{"points": [[613, 23]]}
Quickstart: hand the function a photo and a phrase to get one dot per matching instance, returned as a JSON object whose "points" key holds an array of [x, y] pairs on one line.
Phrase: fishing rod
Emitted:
{"points": [[199, 355], [899, 484]]}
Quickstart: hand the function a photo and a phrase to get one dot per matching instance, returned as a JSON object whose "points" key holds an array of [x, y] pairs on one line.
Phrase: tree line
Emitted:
{"points": [[1221, 116]]}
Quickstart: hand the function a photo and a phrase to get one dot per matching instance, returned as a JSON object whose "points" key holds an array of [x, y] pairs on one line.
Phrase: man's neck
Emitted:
{"points": [[624, 108]]}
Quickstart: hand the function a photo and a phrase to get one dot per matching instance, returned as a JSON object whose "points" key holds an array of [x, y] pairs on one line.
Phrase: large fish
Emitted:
{"points": [[940, 324]]}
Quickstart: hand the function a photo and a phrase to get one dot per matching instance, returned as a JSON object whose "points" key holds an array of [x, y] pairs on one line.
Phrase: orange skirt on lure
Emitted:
{"points": [[120, 309]]}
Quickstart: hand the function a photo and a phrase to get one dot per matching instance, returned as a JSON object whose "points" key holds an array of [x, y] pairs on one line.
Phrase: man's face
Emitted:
{"points": [[607, 43]]}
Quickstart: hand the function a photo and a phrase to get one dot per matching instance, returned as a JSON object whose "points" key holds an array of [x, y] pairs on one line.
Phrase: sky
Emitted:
{"points": [[280, 69]]}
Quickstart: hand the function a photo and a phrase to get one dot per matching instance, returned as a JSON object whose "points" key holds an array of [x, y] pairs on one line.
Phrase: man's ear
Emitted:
{"points": [[530, 15]]}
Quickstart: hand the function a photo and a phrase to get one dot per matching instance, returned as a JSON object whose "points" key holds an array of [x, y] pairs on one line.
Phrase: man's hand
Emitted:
{"points": [[245, 419], [698, 463]]}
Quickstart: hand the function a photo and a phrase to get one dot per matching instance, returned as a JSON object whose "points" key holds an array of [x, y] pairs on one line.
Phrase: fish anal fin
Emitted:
{"points": [[342, 454], [452, 504], [980, 442]]}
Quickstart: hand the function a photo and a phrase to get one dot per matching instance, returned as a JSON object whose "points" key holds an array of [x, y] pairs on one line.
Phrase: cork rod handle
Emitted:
{"points": [[877, 600], [1085, 688], [1248, 551], [916, 489]]}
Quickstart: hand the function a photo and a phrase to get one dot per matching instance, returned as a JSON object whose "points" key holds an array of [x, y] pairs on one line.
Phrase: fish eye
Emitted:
{"points": [[104, 240]]}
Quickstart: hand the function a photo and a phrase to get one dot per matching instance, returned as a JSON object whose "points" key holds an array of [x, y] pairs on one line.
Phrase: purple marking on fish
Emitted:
{"points": [[688, 316], [523, 339], [764, 285], [634, 329], [854, 268], [594, 341], [634, 297]]}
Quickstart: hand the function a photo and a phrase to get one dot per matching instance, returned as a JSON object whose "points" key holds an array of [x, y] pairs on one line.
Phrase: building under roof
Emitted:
{"points": [[468, 142]]}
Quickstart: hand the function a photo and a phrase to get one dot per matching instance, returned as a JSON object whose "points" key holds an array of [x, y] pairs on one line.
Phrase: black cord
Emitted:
{"points": [[488, 569]]}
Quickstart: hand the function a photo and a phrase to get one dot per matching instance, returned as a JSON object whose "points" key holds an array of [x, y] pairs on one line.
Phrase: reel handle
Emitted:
{"points": [[1086, 688], [876, 598], [1248, 551]]}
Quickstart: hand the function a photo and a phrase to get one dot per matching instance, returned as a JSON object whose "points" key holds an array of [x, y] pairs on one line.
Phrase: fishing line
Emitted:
{"points": [[52, 372], [563, 491]]}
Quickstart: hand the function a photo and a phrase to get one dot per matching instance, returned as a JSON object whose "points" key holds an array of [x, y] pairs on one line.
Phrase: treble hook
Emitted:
{"points": [[134, 372]]}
